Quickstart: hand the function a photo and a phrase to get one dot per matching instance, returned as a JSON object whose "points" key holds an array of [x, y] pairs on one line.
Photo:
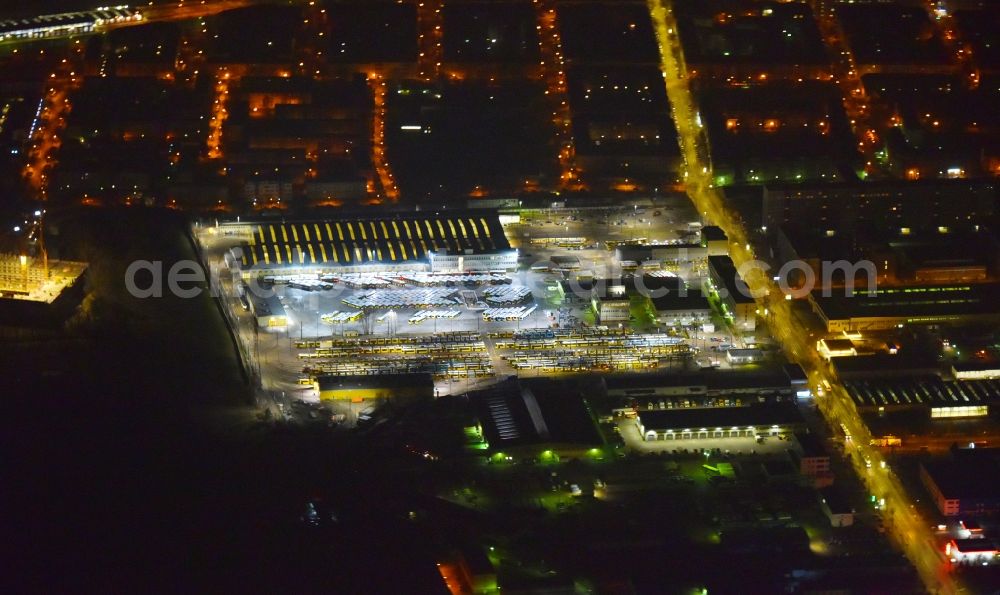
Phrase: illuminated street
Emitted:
{"points": [[519, 296], [386, 181], [49, 123], [553, 68], [912, 534]]}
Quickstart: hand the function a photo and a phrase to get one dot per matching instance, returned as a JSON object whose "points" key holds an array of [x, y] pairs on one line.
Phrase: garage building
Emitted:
{"points": [[459, 241], [383, 386], [719, 422]]}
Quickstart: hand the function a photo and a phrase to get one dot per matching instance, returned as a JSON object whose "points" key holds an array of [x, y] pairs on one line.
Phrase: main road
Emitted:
{"points": [[905, 525]]}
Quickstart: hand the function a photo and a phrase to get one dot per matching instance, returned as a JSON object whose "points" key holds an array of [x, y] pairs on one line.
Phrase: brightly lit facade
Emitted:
{"points": [[960, 411], [460, 242], [971, 551], [32, 279], [726, 422], [65, 24]]}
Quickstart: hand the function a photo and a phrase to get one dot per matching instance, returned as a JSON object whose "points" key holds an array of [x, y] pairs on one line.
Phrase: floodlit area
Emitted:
{"points": [[31, 279], [908, 528], [687, 285], [466, 328]]}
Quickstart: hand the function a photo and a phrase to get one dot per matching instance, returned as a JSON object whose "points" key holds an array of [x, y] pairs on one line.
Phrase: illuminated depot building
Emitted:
{"points": [[411, 386], [711, 404], [39, 292], [49, 26], [930, 395], [468, 241], [719, 422], [912, 396], [965, 483], [894, 307]]}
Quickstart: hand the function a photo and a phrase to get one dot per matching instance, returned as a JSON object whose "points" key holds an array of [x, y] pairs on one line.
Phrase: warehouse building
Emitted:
{"points": [[383, 386], [889, 204], [813, 460], [670, 256], [715, 240], [940, 399], [831, 348], [610, 301], [971, 551], [719, 422], [267, 311], [460, 241], [975, 370], [734, 295], [836, 507], [540, 417], [737, 357], [967, 483], [892, 307], [677, 308], [703, 389]]}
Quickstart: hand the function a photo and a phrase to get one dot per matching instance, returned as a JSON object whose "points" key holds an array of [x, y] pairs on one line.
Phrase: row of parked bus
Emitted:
{"points": [[435, 349], [508, 314], [423, 315], [338, 317], [569, 361], [443, 337], [464, 367]]}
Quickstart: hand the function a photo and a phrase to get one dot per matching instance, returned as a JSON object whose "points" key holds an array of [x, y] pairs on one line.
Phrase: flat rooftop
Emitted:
{"points": [[975, 545], [975, 366], [912, 302], [30, 283], [835, 501], [763, 381], [838, 344], [725, 273], [356, 240], [795, 373], [522, 412], [674, 301], [959, 479], [782, 414], [929, 391], [811, 445], [781, 121], [335, 382]]}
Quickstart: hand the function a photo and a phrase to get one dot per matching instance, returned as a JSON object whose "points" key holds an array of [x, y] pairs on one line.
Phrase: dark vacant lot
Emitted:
{"points": [[134, 464]]}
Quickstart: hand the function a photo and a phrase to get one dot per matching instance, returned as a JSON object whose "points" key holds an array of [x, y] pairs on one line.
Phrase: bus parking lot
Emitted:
{"points": [[465, 328]]}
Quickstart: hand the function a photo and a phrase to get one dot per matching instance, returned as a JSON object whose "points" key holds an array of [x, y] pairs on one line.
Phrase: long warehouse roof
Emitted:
{"points": [[361, 240], [929, 391], [65, 19], [724, 417], [911, 302]]}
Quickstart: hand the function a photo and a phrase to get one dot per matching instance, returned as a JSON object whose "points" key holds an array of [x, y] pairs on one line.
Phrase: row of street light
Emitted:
{"points": [[910, 532]]}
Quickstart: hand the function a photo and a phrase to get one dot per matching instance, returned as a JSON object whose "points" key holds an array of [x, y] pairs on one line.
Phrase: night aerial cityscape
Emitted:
{"points": [[500, 296]]}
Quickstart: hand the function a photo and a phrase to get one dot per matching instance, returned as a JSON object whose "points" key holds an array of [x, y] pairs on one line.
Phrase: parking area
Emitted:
{"points": [[465, 328]]}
